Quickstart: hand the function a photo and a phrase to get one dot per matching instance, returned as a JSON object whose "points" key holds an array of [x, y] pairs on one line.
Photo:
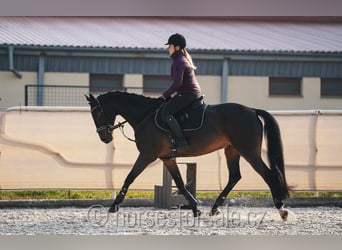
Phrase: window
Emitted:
{"points": [[156, 84], [331, 87], [100, 83], [279, 86]]}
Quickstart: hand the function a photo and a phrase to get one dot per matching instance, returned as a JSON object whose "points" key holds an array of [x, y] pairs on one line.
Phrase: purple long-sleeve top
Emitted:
{"points": [[183, 76]]}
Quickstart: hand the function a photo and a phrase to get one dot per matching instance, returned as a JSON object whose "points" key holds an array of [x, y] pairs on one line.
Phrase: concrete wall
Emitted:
{"points": [[59, 148]]}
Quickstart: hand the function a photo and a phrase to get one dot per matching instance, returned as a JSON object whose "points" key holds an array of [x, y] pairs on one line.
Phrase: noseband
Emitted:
{"points": [[108, 127]]}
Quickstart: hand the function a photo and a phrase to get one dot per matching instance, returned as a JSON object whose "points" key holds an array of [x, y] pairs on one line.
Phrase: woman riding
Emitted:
{"points": [[184, 89]]}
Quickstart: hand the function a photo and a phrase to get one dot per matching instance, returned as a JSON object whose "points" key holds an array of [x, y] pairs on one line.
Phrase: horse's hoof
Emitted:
{"points": [[197, 213], [283, 214], [114, 208], [214, 211]]}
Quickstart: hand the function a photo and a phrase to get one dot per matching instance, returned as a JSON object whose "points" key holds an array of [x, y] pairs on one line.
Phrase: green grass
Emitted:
{"points": [[107, 194], [54, 194]]}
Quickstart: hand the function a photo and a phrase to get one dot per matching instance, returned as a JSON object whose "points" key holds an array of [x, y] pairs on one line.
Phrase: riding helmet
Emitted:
{"points": [[177, 39]]}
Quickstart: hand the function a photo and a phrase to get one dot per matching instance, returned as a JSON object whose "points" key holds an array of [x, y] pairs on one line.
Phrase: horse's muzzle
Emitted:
{"points": [[106, 140], [105, 136]]}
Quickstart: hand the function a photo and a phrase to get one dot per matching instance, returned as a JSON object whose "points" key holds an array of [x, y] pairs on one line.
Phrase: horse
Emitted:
{"points": [[233, 127]]}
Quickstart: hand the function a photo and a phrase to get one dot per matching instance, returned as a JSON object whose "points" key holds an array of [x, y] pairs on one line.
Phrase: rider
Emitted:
{"points": [[184, 88]]}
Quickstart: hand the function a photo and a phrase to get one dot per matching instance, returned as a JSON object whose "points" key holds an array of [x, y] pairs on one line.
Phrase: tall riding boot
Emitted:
{"points": [[176, 130]]}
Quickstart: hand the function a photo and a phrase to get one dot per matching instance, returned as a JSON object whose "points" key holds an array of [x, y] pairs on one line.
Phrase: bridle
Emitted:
{"points": [[108, 127]]}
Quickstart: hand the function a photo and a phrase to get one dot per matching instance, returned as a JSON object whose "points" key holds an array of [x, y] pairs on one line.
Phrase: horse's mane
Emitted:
{"points": [[129, 98]]}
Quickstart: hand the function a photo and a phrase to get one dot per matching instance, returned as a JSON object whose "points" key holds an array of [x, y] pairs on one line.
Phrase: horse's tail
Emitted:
{"points": [[275, 152]]}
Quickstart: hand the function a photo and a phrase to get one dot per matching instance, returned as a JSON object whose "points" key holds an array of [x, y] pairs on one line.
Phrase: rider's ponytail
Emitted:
{"points": [[188, 57]]}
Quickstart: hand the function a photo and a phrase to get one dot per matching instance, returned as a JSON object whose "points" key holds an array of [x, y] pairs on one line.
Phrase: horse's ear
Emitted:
{"points": [[90, 98]]}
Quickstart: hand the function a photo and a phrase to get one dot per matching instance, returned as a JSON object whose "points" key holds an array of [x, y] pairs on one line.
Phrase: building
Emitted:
{"points": [[271, 63]]}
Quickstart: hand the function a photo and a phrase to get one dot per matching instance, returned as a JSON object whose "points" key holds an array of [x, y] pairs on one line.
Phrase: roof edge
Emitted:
{"points": [[319, 19], [162, 53]]}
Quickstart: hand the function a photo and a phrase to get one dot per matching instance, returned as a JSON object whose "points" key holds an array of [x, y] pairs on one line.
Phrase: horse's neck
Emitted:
{"points": [[132, 114], [135, 110]]}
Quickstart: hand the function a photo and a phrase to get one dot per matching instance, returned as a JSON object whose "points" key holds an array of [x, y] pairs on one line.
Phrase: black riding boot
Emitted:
{"points": [[176, 130]]}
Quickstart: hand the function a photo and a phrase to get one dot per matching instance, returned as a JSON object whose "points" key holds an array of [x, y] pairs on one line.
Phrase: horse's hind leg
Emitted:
{"points": [[232, 157], [173, 169], [261, 168]]}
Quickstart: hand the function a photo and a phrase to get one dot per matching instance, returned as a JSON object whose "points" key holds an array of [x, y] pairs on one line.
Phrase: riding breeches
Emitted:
{"points": [[177, 103]]}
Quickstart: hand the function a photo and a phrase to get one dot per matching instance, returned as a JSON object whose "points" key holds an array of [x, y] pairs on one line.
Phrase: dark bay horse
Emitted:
{"points": [[233, 127]]}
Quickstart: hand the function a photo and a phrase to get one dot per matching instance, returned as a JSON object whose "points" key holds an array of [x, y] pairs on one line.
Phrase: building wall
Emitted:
{"points": [[211, 88], [248, 90], [70, 79], [253, 91], [12, 89], [78, 79]]}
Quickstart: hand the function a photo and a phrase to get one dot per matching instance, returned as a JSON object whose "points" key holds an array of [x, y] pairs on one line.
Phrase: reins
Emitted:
{"points": [[120, 125]]}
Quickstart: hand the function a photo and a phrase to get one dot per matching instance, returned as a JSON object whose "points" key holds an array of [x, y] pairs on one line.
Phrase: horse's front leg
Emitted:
{"points": [[173, 169], [141, 163]]}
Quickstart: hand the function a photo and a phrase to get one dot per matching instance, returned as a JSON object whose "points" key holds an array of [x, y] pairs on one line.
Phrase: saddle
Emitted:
{"points": [[190, 118]]}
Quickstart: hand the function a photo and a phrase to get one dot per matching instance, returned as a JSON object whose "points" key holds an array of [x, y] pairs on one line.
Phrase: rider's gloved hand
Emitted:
{"points": [[163, 98]]}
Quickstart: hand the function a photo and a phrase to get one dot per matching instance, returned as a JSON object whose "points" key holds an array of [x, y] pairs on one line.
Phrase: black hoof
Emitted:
{"points": [[214, 211], [114, 208], [283, 214], [197, 213]]}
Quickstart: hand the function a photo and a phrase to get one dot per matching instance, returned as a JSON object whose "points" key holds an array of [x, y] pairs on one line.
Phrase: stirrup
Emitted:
{"points": [[173, 148]]}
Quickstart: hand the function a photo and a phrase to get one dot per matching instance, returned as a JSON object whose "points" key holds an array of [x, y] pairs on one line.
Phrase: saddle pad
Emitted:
{"points": [[189, 119]]}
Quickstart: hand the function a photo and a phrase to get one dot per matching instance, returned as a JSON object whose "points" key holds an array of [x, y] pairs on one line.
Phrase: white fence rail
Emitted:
{"points": [[58, 148]]}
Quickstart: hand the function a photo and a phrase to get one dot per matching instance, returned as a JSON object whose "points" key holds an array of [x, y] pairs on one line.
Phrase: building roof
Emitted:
{"points": [[222, 34]]}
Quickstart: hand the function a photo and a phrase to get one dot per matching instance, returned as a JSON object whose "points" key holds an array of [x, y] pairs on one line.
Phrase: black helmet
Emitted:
{"points": [[177, 39]]}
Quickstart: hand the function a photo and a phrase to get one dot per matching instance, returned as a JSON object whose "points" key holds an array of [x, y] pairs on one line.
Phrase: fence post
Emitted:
{"points": [[163, 197]]}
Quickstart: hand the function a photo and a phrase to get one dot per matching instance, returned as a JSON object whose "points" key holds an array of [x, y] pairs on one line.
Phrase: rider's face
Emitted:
{"points": [[171, 49]]}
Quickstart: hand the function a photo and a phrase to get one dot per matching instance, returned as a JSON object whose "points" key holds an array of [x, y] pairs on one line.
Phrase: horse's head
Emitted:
{"points": [[103, 121]]}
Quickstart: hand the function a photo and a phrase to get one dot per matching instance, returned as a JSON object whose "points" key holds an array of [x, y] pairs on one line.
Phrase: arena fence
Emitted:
{"points": [[72, 95], [55, 95], [58, 148]]}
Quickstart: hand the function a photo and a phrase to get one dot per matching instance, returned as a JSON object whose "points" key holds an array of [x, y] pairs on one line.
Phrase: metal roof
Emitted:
{"points": [[152, 33]]}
